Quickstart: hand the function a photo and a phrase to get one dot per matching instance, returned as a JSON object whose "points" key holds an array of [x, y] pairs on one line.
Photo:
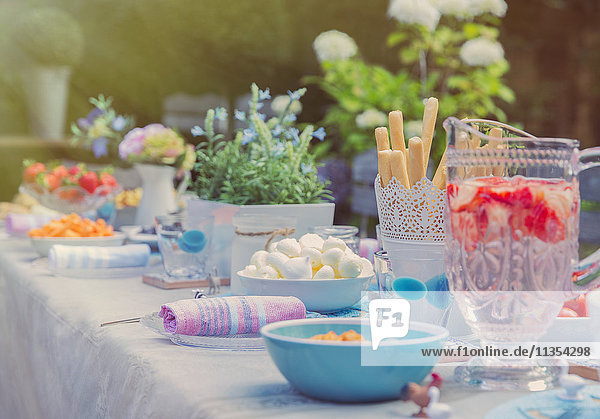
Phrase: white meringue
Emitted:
{"points": [[349, 266], [311, 240], [259, 258], [273, 247], [268, 272], [332, 257], [314, 256], [334, 243], [251, 271], [276, 260], [297, 268], [326, 272], [367, 267], [349, 252], [289, 247]]}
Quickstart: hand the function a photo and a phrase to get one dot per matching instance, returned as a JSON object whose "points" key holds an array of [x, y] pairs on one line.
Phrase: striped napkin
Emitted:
{"points": [[98, 257], [228, 315], [20, 224]]}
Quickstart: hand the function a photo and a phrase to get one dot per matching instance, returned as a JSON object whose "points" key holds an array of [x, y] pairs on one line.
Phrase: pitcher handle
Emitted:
{"points": [[587, 271]]}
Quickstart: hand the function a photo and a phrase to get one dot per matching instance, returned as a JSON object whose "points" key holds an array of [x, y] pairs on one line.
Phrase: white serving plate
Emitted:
{"points": [[154, 265], [322, 295], [224, 343], [42, 245]]}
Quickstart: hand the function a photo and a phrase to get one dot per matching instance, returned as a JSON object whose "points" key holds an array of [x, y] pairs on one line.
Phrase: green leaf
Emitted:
{"points": [[396, 38]]}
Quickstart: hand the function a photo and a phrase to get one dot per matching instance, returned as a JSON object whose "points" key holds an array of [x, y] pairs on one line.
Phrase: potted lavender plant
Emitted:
{"points": [[267, 168]]}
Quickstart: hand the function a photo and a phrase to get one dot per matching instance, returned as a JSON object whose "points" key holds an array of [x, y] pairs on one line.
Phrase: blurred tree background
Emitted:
{"points": [[140, 51]]}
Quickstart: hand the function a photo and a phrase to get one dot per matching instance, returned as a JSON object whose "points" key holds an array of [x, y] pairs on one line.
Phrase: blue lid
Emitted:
{"points": [[192, 241]]}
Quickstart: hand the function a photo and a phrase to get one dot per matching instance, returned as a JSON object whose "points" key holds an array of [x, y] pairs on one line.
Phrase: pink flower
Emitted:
{"points": [[172, 152], [133, 143]]}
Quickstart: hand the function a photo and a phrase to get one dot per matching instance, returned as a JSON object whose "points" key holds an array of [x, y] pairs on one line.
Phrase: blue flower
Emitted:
{"points": [[290, 118], [295, 95], [220, 114], [264, 94], [83, 123], [239, 115], [258, 105], [319, 134], [293, 133], [99, 147], [261, 116], [306, 168], [93, 114], [279, 149], [249, 136], [119, 123], [276, 132], [197, 131]]}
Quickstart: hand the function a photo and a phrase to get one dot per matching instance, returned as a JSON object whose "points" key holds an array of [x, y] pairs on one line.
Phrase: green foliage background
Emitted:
{"points": [[140, 51]]}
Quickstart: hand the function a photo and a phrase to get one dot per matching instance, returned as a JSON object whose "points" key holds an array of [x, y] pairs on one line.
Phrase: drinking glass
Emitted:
{"points": [[349, 234], [185, 244], [512, 219], [420, 280]]}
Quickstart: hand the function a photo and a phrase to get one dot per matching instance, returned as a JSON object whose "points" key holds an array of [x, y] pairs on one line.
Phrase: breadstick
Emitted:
{"points": [[429, 117], [487, 170], [399, 170], [397, 130], [416, 167], [381, 136], [461, 144], [385, 168], [439, 179], [495, 144]]}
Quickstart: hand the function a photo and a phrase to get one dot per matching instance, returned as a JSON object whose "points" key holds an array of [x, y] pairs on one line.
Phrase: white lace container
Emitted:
{"points": [[411, 223]]}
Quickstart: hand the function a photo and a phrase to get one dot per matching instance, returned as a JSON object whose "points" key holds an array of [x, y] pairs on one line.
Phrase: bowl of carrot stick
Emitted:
{"points": [[73, 230]]}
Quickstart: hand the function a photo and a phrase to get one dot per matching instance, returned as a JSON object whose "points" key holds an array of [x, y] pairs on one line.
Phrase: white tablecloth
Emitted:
{"points": [[56, 362]]}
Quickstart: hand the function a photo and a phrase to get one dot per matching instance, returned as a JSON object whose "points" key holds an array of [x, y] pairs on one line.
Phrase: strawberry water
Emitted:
{"points": [[511, 244]]}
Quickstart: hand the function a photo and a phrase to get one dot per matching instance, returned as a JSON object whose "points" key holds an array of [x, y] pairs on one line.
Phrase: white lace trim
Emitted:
{"points": [[415, 214]]}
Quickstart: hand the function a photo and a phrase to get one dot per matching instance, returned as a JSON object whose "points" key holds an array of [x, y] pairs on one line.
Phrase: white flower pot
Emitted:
{"points": [[158, 196], [47, 91], [307, 216]]}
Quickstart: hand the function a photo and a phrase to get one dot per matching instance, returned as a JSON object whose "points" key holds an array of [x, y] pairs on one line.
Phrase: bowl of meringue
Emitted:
{"points": [[324, 273]]}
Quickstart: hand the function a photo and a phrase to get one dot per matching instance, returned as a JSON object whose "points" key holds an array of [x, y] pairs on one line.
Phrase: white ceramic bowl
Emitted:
{"points": [[42, 245], [323, 295]]}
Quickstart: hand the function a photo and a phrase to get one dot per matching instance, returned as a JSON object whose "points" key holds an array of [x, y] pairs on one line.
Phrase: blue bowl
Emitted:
{"points": [[331, 370]]}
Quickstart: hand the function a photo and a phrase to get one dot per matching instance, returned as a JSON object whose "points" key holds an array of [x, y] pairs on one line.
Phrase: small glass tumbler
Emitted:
{"points": [[430, 299], [349, 234], [184, 244]]}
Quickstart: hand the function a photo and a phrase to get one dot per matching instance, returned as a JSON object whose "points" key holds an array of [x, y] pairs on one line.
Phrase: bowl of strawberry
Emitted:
{"points": [[69, 189]]}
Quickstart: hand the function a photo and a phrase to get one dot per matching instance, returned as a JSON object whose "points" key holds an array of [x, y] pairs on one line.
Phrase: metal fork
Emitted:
{"points": [[197, 294]]}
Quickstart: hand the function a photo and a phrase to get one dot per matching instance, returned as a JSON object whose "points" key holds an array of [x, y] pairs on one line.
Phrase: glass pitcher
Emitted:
{"points": [[512, 224]]}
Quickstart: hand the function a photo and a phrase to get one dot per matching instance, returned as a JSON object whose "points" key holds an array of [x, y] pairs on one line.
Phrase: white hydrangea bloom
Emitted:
{"points": [[279, 103], [371, 118], [495, 7], [459, 8], [414, 11], [334, 45], [413, 129], [481, 51]]}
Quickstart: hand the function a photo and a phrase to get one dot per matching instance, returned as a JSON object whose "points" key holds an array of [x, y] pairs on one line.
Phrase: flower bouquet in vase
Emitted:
{"points": [[102, 130], [267, 168], [160, 155]]}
